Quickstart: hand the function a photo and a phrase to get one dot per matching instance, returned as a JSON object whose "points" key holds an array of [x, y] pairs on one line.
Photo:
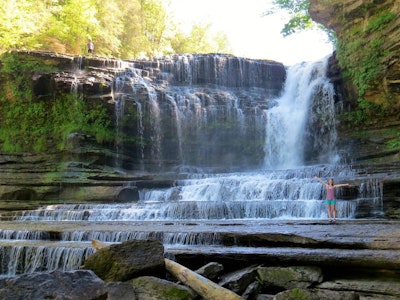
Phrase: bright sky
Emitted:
{"points": [[250, 34]]}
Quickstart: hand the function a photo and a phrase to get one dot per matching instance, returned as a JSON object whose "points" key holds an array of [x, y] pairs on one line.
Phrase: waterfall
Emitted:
{"points": [[286, 134], [242, 148], [196, 110]]}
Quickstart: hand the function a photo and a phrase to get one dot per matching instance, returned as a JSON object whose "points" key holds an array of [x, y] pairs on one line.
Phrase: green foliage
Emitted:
{"points": [[118, 28], [380, 22], [28, 124], [299, 20], [200, 40], [365, 67], [75, 23], [394, 143], [20, 22], [363, 114], [37, 126], [296, 23], [18, 69]]}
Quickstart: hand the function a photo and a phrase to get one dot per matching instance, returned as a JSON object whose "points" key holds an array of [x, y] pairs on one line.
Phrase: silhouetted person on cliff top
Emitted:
{"points": [[90, 47]]}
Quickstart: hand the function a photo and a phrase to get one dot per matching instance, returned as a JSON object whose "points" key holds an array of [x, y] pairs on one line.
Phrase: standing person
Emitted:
{"points": [[330, 197], [90, 47]]}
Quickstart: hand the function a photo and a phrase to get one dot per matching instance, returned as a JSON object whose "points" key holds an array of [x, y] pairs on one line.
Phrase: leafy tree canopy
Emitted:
{"points": [[119, 28], [299, 17]]}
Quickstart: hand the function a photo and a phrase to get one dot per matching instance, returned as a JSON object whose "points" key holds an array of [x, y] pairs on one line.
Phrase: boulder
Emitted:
{"points": [[153, 288], [130, 259], [121, 291], [252, 290], [387, 288], [73, 285], [211, 270], [239, 280], [311, 294], [290, 277]]}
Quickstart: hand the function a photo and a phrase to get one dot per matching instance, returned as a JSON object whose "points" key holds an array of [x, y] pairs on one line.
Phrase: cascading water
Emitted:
{"points": [[189, 102], [287, 122], [213, 112]]}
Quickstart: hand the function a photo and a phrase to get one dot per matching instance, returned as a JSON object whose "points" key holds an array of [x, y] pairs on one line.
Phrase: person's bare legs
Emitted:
{"points": [[333, 213], [329, 211]]}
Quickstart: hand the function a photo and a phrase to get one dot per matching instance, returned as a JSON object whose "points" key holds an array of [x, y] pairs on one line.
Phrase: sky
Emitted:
{"points": [[250, 34]]}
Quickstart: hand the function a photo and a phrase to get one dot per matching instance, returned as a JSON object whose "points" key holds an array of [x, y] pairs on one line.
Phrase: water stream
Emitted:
{"points": [[278, 186]]}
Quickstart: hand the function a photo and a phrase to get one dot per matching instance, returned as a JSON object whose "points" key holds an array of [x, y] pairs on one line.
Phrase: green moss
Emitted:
{"points": [[365, 68], [297, 294], [38, 126], [101, 266], [177, 294], [16, 71], [34, 125], [394, 143]]}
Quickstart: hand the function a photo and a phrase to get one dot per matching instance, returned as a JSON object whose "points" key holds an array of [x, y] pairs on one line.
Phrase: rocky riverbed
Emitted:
{"points": [[357, 256]]}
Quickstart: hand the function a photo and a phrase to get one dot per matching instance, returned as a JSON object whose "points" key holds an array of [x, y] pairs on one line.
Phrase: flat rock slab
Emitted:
{"points": [[77, 285], [367, 234], [349, 243]]}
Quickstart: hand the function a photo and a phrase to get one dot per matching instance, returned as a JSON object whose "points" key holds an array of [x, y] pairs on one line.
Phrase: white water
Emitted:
{"points": [[283, 190], [286, 122], [284, 194], [198, 111]]}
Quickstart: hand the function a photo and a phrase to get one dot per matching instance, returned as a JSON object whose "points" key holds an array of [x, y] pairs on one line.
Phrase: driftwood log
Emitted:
{"points": [[204, 287], [96, 244]]}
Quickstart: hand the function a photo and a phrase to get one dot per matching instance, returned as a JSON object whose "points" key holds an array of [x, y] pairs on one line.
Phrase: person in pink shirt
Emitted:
{"points": [[330, 197]]}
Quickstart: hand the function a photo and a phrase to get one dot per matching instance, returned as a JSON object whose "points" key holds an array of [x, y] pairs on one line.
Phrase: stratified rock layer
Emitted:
{"points": [[367, 21]]}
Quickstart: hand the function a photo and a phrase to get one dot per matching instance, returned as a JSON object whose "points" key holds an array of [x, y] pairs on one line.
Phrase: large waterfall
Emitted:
{"points": [[242, 149], [202, 111], [289, 122]]}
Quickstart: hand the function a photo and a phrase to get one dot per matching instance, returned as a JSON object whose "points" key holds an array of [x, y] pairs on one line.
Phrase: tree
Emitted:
{"points": [[110, 19], [153, 18], [77, 22], [132, 41], [119, 28], [200, 40], [299, 17], [20, 23]]}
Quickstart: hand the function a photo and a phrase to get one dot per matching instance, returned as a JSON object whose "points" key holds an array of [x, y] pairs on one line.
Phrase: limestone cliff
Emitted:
{"points": [[98, 129], [368, 34], [367, 73], [88, 168], [368, 53]]}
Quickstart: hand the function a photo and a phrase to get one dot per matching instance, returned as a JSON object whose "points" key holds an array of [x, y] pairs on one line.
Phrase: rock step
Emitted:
{"points": [[314, 234], [363, 244], [330, 258], [348, 258]]}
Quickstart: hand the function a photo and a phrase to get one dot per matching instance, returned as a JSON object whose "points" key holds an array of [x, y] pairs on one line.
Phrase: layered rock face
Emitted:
{"points": [[163, 113], [368, 35], [370, 31]]}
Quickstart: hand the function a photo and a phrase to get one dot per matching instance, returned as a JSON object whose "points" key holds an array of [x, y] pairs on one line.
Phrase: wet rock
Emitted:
{"points": [[290, 277], [239, 280], [153, 288], [121, 291], [211, 270], [364, 286], [73, 285], [264, 297], [308, 294], [128, 195], [133, 258], [252, 290]]}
